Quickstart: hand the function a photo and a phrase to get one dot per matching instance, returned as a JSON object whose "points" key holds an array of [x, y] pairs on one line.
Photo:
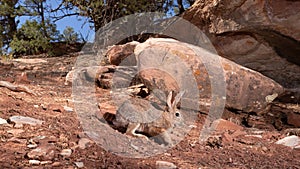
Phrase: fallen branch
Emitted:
{"points": [[16, 88]]}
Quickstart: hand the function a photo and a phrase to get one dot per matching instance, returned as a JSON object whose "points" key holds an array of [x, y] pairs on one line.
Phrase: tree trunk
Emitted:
{"points": [[180, 6]]}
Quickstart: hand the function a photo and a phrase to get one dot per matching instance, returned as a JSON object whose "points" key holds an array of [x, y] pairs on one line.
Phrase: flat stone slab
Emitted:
{"points": [[31, 61], [25, 120], [290, 141]]}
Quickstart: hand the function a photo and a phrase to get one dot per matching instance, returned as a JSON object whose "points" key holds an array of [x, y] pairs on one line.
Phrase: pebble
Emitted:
{"points": [[56, 164], [83, 143], [34, 162], [68, 109], [79, 164], [66, 152], [3, 121], [290, 141], [45, 162], [32, 145], [165, 165], [46, 152], [223, 125], [25, 120]]}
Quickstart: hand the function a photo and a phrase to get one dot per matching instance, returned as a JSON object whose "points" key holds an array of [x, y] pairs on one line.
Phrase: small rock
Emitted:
{"points": [[290, 141], [68, 109], [79, 164], [34, 162], [66, 152], [25, 120], [56, 164], [118, 53], [165, 165], [3, 121], [223, 125], [32, 145], [45, 162], [84, 142], [45, 152], [36, 106]]}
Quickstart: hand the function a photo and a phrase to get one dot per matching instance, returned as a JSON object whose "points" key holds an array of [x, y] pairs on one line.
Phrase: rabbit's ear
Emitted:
{"points": [[169, 100], [177, 98]]}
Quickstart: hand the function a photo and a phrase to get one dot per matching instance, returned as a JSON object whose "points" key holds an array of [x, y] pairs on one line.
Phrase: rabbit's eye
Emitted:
{"points": [[177, 114]]}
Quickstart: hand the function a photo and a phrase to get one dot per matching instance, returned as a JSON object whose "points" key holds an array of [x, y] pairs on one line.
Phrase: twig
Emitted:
{"points": [[16, 88]]}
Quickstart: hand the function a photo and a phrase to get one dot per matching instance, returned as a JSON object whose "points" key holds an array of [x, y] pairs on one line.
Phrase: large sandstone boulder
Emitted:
{"points": [[117, 53], [261, 35], [167, 64]]}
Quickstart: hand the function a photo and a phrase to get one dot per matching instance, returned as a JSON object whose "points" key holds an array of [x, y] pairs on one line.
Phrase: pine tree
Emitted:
{"points": [[8, 25]]}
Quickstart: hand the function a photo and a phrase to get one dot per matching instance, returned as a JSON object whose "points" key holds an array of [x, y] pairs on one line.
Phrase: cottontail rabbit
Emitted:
{"points": [[142, 119]]}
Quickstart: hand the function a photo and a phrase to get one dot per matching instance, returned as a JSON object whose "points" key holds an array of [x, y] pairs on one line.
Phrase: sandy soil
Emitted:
{"points": [[62, 132]]}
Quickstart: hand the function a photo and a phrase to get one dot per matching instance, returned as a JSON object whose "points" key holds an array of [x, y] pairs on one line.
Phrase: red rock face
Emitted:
{"points": [[245, 89], [261, 35], [118, 53]]}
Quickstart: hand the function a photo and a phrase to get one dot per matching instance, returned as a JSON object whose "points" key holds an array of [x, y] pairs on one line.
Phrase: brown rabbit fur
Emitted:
{"points": [[159, 126]]}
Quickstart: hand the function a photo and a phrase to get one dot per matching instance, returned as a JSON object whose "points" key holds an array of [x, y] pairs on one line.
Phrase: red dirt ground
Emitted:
{"points": [[62, 130]]}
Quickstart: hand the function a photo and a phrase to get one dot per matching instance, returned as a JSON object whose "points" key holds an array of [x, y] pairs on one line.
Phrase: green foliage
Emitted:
{"points": [[8, 27], [102, 12], [30, 38], [69, 35]]}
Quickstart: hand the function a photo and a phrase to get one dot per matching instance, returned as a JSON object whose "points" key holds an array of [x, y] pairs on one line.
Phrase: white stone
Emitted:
{"points": [[290, 141], [83, 143], [79, 164], [165, 165], [66, 152], [3, 121], [68, 109], [32, 145], [25, 120], [31, 61], [45, 162], [34, 162]]}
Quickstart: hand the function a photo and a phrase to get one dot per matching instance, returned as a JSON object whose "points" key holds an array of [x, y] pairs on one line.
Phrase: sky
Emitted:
{"points": [[79, 23]]}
